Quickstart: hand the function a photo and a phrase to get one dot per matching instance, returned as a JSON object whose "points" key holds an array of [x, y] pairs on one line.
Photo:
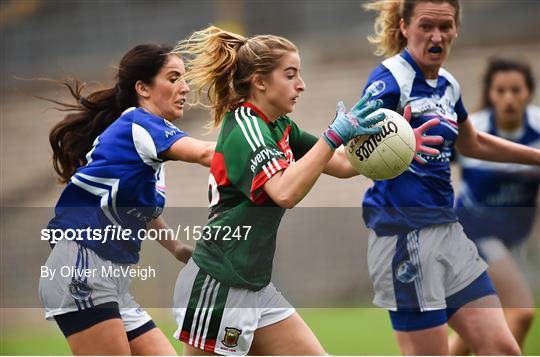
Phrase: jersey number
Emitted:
{"points": [[213, 193]]}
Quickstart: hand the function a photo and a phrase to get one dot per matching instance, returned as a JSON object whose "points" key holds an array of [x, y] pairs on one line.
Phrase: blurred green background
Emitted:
{"points": [[341, 332]]}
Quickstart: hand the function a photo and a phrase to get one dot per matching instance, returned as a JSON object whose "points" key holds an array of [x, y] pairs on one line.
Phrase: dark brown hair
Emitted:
{"points": [[499, 64], [73, 137]]}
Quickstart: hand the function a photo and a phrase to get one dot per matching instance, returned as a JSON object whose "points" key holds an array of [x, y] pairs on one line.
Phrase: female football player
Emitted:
{"points": [[110, 151], [424, 269], [264, 163], [503, 193]]}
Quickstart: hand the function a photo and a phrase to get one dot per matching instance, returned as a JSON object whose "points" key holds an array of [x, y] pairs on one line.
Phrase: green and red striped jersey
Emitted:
{"points": [[240, 238]]}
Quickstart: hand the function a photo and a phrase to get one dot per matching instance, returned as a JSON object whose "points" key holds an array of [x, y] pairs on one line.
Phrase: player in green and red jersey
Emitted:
{"points": [[263, 164], [250, 150]]}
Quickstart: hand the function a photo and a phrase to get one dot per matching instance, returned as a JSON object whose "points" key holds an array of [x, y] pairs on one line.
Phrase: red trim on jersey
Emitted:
{"points": [[284, 146], [219, 170], [261, 178], [256, 110]]}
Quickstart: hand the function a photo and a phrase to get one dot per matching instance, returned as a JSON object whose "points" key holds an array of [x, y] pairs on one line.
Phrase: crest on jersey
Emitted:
{"points": [[169, 124], [376, 88], [406, 272], [231, 337], [79, 290]]}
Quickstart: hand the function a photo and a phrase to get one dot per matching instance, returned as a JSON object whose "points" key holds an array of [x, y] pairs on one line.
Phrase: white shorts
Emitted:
{"points": [[220, 319], [79, 284], [418, 271]]}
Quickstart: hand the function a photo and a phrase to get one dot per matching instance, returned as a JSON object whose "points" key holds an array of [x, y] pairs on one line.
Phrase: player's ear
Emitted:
{"points": [[142, 89], [403, 28], [258, 82]]}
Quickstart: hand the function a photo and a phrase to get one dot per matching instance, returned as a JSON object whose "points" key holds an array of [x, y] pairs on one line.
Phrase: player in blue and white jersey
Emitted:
{"points": [[423, 267], [503, 193], [110, 151]]}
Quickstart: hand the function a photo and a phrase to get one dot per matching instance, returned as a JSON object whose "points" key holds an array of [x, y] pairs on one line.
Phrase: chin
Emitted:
{"points": [[176, 115]]}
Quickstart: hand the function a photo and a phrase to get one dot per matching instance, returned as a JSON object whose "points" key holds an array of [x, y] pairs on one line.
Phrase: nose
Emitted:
{"points": [[184, 88], [301, 85], [508, 97], [436, 36]]}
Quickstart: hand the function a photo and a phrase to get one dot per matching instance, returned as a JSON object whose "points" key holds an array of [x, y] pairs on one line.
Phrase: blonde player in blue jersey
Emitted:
{"points": [[424, 269], [503, 193], [110, 151]]}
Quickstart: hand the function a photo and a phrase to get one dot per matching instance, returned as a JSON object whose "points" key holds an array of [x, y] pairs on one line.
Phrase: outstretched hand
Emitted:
{"points": [[356, 122], [422, 139]]}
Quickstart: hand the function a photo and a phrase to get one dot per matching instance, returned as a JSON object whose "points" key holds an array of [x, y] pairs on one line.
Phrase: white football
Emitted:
{"points": [[387, 154]]}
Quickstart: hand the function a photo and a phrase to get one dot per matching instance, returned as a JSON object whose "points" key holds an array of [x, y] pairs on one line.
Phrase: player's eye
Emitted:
{"points": [[516, 90], [446, 28]]}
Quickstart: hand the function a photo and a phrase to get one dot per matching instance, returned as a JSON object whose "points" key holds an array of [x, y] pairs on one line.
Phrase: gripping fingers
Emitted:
{"points": [[432, 140], [427, 125], [370, 108], [407, 113], [340, 107], [374, 119], [419, 160], [371, 131], [426, 150], [362, 102]]}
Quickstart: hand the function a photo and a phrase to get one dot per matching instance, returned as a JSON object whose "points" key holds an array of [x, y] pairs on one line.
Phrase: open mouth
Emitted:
{"points": [[181, 102], [435, 50]]}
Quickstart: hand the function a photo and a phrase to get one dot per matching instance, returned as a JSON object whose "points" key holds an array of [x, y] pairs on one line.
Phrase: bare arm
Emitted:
{"points": [[191, 150], [180, 250], [478, 145], [339, 166], [290, 186]]}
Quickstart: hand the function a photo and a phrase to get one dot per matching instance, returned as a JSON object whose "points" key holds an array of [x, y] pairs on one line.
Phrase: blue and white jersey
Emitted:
{"points": [[422, 195], [122, 185], [499, 199]]}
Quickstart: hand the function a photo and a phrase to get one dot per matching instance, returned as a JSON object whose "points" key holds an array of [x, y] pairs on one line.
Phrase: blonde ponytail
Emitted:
{"points": [[221, 64], [388, 38]]}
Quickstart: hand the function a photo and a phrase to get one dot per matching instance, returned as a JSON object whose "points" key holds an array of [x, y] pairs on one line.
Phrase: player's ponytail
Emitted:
{"points": [[388, 38], [221, 64], [72, 138]]}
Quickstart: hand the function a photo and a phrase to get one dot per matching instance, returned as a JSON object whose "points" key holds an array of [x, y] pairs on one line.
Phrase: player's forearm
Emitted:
{"points": [[290, 186], [191, 150], [491, 148], [338, 166], [180, 250], [207, 153]]}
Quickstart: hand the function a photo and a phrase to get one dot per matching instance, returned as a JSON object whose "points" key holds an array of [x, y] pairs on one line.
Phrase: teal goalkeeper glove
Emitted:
{"points": [[354, 123]]}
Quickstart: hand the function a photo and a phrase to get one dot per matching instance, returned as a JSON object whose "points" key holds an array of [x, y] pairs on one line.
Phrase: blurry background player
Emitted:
{"points": [[497, 202], [224, 300], [423, 267], [110, 151]]}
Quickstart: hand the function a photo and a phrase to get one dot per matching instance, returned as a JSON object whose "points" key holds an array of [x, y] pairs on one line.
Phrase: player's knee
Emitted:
{"points": [[511, 349], [507, 347], [522, 317]]}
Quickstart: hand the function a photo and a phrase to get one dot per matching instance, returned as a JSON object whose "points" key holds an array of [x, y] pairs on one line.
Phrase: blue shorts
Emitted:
{"points": [[413, 320]]}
